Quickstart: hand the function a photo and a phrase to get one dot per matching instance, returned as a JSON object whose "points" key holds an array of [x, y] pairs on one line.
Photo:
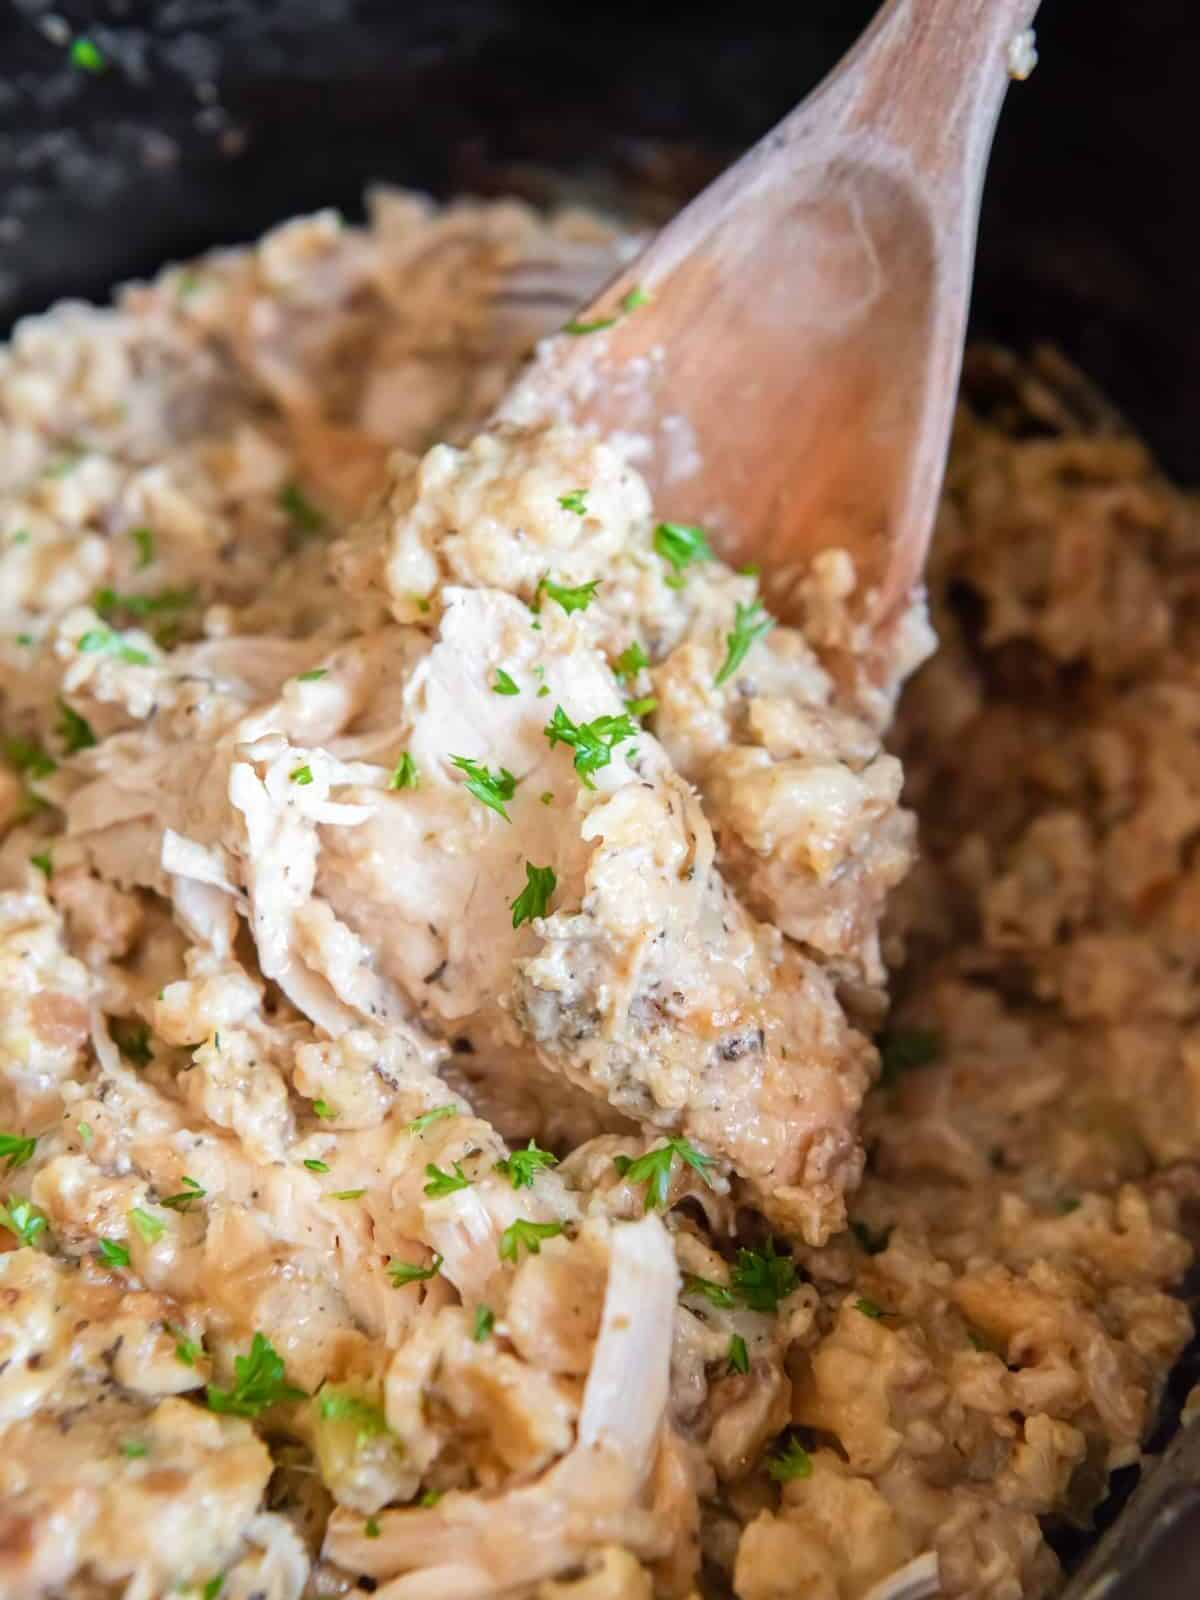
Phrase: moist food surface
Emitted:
{"points": [[455, 1140]]}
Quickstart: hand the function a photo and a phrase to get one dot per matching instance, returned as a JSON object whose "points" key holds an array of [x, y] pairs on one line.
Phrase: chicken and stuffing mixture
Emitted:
{"points": [[455, 1142]]}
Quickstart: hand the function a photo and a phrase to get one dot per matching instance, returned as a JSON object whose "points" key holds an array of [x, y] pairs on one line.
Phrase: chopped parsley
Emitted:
{"points": [[371, 1528], [144, 539], [872, 1241], [629, 302], [313, 675], [575, 501], [534, 898], [150, 1227], [492, 789], [43, 863], [790, 1463], [73, 730], [762, 1278], [402, 1272], [737, 1356], [109, 603], [314, 1165], [750, 623], [258, 1382], [212, 1588], [180, 1202], [504, 684], [485, 1321], [443, 1183], [592, 742], [86, 55], [680, 544], [322, 1109], [302, 775], [132, 1449], [347, 1194], [24, 1219], [427, 1118], [404, 773], [529, 1234], [84, 1131], [631, 661], [903, 1048], [430, 1498], [547, 797], [715, 1293], [336, 1405], [304, 517], [113, 1254], [29, 758], [522, 1166], [869, 1308], [654, 1169], [577, 599], [187, 1351], [642, 707], [105, 641]]}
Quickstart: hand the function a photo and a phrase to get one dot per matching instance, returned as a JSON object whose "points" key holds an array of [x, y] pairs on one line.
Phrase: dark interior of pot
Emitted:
{"points": [[216, 118]]}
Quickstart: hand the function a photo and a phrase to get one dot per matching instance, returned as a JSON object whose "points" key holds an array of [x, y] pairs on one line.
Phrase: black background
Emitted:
{"points": [[218, 117]]}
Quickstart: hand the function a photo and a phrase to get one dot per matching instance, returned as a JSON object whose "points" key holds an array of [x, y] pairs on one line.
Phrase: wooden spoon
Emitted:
{"points": [[788, 347]]}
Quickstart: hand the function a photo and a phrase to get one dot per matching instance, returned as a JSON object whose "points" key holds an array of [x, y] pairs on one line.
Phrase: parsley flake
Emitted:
{"points": [[443, 1183], [750, 623], [322, 1109], [28, 758], [715, 1293], [534, 898], [180, 1202], [347, 1194], [132, 1449], [212, 1588], [149, 1226], [144, 539], [43, 863], [258, 1382], [314, 1165], [85, 1132], [302, 775], [790, 1463], [86, 55], [187, 1351], [16, 1149], [680, 544], [654, 1169], [485, 1321], [577, 599], [338, 1405], [592, 742], [402, 1272], [493, 789], [313, 675], [113, 1254], [575, 501], [631, 661], [642, 707], [24, 1219], [305, 518], [522, 1166], [529, 1234], [504, 684], [73, 730], [869, 1308], [371, 1528], [427, 1118], [430, 1498], [404, 774], [762, 1278], [737, 1356]]}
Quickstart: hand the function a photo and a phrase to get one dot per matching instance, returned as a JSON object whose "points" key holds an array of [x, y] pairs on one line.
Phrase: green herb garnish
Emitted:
{"points": [[715, 1293], [180, 1202], [750, 622], [43, 863], [347, 1194], [113, 1254], [73, 730], [258, 1382], [402, 1272], [761, 1278], [737, 1355], [577, 599], [485, 1321], [869, 1308], [442, 1183], [790, 1463], [631, 661], [680, 544], [314, 1165], [322, 1109], [312, 675], [302, 775], [404, 773], [86, 55], [575, 501], [419, 1124], [493, 789], [144, 539], [503, 683], [529, 1234], [642, 707], [29, 758], [305, 518], [187, 1351], [371, 1528], [654, 1169], [16, 1149], [521, 1166], [534, 898], [24, 1219], [150, 1227], [336, 1405], [132, 1449], [592, 742]]}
